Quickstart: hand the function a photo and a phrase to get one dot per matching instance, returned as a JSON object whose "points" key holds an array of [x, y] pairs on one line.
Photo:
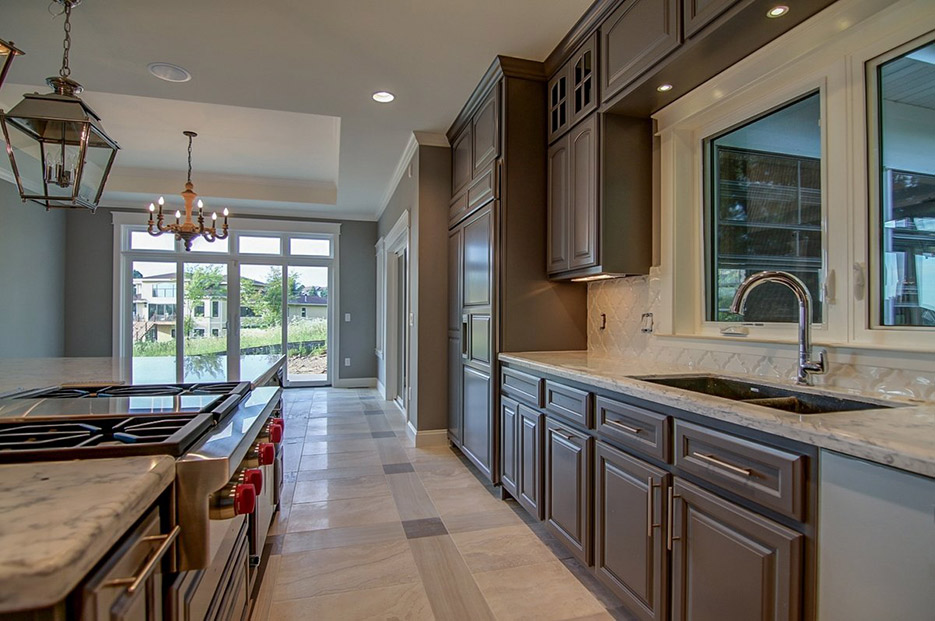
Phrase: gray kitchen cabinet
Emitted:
{"points": [[573, 89], [730, 563], [509, 424], [500, 292], [696, 14], [600, 198], [530, 432], [455, 336], [636, 36], [568, 487], [629, 531]]}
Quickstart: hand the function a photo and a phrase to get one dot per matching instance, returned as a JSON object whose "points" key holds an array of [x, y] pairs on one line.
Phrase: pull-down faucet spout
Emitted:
{"points": [[807, 367]]}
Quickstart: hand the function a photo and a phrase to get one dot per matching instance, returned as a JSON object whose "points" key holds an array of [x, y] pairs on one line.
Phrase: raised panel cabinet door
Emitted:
{"points": [[583, 77], [477, 417], [699, 13], [477, 259], [635, 37], [486, 130], [568, 488], [582, 193], [558, 207], [461, 160], [454, 280], [454, 389], [730, 563], [529, 439], [508, 453], [558, 103], [629, 531]]}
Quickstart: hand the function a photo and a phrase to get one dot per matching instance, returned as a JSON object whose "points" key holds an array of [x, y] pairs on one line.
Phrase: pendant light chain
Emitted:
{"points": [[65, 71], [190, 158]]}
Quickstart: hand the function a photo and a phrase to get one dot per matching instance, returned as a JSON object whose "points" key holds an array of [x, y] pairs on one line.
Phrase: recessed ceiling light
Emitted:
{"points": [[169, 72], [777, 11], [662, 88], [384, 96]]}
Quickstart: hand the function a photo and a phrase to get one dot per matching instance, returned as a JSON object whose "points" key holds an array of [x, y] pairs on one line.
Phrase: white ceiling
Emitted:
{"points": [[280, 95]]}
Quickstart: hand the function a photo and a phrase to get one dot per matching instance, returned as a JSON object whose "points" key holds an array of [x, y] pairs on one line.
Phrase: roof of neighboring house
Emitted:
{"points": [[308, 300]]}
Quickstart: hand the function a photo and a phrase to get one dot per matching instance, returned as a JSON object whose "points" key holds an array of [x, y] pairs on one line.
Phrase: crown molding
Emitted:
{"points": [[416, 140]]}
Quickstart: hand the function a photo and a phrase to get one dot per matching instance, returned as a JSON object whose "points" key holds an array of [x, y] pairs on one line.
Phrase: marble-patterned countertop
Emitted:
{"points": [[59, 519], [901, 437], [19, 374]]}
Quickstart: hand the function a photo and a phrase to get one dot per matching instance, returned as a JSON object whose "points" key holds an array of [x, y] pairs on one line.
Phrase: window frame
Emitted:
{"points": [[819, 55]]}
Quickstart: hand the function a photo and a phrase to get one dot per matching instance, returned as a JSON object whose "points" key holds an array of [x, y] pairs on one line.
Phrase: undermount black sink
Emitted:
{"points": [[787, 399]]}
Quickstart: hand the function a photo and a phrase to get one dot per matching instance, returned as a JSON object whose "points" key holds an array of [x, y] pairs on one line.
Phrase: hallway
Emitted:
{"points": [[372, 528]]}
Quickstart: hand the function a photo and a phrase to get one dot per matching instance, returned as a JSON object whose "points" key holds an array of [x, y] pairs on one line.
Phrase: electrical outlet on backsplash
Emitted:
{"points": [[625, 300]]}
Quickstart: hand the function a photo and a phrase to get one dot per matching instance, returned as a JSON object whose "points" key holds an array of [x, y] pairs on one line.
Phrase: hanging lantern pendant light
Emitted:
{"points": [[59, 152], [187, 230]]}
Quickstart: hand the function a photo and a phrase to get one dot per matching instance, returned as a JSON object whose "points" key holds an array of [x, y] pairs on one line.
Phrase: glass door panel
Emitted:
{"points": [[261, 330], [204, 321], [153, 320], [307, 312]]}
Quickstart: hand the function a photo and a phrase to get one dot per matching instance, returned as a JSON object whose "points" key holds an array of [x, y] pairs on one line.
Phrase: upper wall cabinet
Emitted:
{"points": [[635, 37], [461, 164], [486, 133], [573, 91], [473, 152], [697, 14]]}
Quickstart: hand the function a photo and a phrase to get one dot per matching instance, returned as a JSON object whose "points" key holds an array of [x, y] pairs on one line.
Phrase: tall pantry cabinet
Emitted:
{"points": [[500, 298]]}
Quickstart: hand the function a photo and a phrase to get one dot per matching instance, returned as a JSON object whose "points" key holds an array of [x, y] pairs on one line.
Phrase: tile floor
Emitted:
{"points": [[373, 528]]}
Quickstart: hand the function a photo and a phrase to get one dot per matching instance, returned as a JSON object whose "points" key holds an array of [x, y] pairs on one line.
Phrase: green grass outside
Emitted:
{"points": [[299, 330]]}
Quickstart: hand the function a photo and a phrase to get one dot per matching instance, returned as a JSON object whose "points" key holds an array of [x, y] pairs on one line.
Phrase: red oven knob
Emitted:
{"points": [[275, 433], [244, 499], [254, 477], [266, 452], [278, 421]]}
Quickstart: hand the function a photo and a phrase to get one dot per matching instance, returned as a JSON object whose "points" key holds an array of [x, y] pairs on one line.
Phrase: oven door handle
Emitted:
{"points": [[134, 582]]}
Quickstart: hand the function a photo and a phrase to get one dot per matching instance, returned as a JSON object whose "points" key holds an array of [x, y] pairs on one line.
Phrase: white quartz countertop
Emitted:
{"points": [[19, 374], [902, 437], [59, 519]]}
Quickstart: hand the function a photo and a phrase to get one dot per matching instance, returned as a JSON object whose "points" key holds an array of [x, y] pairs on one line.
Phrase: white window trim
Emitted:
{"points": [[827, 52], [124, 222]]}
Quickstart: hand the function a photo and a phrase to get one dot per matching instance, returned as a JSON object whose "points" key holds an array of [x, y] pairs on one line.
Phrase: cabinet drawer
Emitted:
{"points": [[569, 403], [633, 427], [769, 476], [521, 385]]}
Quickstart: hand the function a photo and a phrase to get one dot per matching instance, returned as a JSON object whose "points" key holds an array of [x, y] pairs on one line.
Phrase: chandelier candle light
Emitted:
{"points": [[187, 230]]}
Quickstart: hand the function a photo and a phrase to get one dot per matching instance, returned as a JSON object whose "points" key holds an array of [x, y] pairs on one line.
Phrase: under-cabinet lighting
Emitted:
{"points": [[777, 11], [593, 278], [383, 96], [664, 88]]}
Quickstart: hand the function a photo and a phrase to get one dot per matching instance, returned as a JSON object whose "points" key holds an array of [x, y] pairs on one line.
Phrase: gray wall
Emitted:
{"points": [[358, 283], [32, 264], [89, 283]]}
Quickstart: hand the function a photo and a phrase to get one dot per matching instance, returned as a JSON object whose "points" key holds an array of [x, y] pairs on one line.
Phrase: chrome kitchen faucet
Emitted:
{"points": [[806, 367]]}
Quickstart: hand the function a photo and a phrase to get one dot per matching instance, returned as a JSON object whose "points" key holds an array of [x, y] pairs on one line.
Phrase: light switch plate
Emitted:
{"points": [[347, 362], [347, 317]]}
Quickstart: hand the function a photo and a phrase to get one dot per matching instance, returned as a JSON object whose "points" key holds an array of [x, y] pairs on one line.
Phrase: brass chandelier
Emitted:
{"points": [[187, 230], [59, 152]]}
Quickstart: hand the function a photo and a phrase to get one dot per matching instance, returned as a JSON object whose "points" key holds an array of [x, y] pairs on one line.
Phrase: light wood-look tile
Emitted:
{"points": [[340, 473], [341, 513], [265, 595], [500, 548], [340, 489], [349, 568], [339, 537], [451, 589], [412, 501], [391, 451], [313, 447], [407, 602], [480, 520], [328, 461], [455, 501], [558, 594]]}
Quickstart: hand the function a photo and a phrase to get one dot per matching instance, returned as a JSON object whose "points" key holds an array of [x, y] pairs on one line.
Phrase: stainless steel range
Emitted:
{"points": [[229, 471]]}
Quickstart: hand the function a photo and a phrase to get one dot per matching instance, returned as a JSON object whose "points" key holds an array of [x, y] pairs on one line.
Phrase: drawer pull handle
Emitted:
{"points": [[135, 582], [627, 428], [650, 498], [711, 459], [567, 436]]}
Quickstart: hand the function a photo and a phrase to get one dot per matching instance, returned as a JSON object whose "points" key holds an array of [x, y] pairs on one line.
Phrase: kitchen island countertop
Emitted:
{"points": [[58, 519], [901, 437], [19, 374]]}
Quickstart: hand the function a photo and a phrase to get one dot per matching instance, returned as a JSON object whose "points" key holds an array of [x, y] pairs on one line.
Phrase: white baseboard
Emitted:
{"points": [[355, 382], [427, 437], [381, 388]]}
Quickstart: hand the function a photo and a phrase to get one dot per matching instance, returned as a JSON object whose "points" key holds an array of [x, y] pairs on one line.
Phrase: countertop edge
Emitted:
{"points": [[840, 432]]}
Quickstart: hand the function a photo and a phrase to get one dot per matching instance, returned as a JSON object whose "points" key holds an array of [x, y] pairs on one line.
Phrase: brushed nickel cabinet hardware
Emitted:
{"points": [[650, 498], [670, 536], [134, 582], [711, 459], [627, 428]]}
